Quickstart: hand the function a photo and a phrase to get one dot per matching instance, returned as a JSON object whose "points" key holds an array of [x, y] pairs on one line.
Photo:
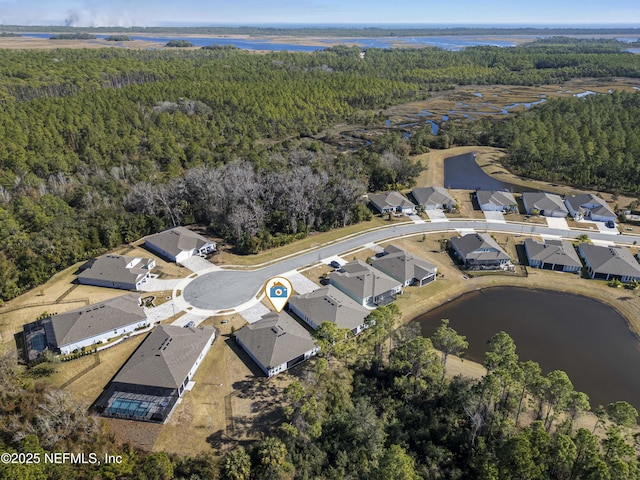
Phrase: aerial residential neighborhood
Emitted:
{"points": [[85, 327], [276, 343], [178, 244], [319, 240], [152, 381], [117, 271]]}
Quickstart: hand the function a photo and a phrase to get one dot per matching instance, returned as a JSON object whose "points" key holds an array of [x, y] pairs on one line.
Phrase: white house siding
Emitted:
{"points": [[555, 213], [408, 210], [204, 352], [97, 282], [142, 281], [109, 284], [276, 370], [184, 255], [207, 248], [270, 372], [360, 328], [602, 218], [92, 341], [426, 280], [490, 207]]}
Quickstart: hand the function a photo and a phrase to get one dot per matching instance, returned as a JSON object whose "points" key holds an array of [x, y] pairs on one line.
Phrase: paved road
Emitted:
{"points": [[226, 289]]}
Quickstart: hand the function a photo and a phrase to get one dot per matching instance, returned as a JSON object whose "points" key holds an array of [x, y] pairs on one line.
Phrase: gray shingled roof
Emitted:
{"points": [[611, 260], [362, 280], [389, 200], [432, 196], [479, 246], [328, 304], [87, 322], [558, 252], [402, 265], [113, 268], [275, 339], [501, 199], [177, 240], [165, 357], [601, 207], [543, 201]]}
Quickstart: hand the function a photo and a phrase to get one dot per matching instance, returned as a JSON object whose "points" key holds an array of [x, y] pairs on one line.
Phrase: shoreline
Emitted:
{"points": [[459, 295], [471, 368]]}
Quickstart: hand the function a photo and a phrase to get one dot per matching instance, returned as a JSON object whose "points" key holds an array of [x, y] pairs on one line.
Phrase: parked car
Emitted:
{"points": [[190, 324], [610, 224], [334, 264]]}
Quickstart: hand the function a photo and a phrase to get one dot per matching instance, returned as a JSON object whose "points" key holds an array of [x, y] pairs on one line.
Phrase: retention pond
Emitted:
{"points": [[587, 339], [462, 172]]}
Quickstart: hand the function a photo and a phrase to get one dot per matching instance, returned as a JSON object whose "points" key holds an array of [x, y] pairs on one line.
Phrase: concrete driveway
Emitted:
{"points": [[197, 264], [301, 284], [497, 217], [602, 228], [555, 222], [436, 215], [157, 285]]}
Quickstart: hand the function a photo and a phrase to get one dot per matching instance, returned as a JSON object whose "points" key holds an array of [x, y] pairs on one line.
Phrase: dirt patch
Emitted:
{"points": [[141, 435]]}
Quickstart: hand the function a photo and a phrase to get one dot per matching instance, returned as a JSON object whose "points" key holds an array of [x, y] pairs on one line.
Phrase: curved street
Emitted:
{"points": [[221, 290]]}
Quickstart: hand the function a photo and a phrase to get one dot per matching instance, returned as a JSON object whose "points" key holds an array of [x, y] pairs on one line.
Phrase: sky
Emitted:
{"points": [[126, 13]]}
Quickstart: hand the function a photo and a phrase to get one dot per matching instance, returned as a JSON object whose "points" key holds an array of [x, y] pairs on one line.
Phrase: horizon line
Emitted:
{"points": [[380, 25]]}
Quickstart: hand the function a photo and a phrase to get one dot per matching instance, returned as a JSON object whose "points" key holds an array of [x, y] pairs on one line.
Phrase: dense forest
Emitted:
{"points": [[592, 142], [104, 146], [378, 406]]}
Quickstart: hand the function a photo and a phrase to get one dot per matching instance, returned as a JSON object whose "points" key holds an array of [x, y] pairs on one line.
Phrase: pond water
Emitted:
{"points": [[587, 339], [462, 172]]}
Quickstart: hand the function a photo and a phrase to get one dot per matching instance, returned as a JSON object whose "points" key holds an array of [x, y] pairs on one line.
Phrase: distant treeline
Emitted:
{"points": [[73, 36], [592, 142], [118, 38], [336, 31], [179, 43]]}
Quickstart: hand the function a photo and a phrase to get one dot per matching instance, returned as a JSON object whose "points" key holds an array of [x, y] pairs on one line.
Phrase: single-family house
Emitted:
{"points": [[478, 251], [405, 267], [84, 327], [328, 304], [496, 201], [179, 243], [545, 204], [149, 385], [433, 198], [611, 262], [589, 207], [117, 271], [558, 255], [391, 202], [365, 284], [276, 342]]}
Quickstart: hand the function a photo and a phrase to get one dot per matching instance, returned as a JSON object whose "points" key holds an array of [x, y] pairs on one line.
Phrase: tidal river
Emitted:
{"points": [[586, 338]]}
